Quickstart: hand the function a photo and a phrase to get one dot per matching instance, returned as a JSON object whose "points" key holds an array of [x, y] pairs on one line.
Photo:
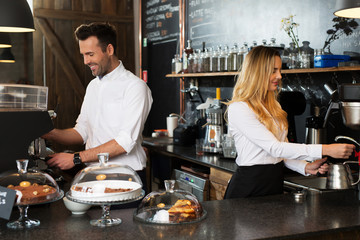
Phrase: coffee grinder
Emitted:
{"points": [[214, 126]]}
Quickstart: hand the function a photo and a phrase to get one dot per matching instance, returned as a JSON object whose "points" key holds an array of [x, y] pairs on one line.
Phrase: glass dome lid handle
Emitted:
{"points": [[103, 158], [22, 165], [169, 185]]}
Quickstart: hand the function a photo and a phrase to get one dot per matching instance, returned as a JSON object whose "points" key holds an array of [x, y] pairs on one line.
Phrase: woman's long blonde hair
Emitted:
{"points": [[252, 87]]}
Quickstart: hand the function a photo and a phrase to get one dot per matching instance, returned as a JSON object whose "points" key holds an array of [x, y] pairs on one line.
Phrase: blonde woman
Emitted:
{"points": [[259, 127]]}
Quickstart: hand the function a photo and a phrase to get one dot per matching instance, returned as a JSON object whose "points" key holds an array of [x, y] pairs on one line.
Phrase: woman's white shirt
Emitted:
{"points": [[256, 145]]}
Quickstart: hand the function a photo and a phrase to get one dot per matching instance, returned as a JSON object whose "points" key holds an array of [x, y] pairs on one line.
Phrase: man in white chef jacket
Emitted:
{"points": [[114, 110]]}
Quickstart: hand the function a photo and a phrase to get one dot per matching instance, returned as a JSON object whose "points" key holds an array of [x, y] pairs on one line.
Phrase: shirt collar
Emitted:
{"points": [[114, 72]]}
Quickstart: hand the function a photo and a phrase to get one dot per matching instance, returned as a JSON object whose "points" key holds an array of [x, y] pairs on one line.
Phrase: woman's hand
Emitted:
{"points": [[317, 167], [338, 150]]}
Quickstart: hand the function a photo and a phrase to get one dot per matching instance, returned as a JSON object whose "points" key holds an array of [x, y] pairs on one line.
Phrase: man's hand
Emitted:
{"points": [[64, 161]]}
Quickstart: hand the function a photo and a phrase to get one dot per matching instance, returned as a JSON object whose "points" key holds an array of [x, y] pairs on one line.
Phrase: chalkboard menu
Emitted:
{"points": [[161, 20], [227, 22]]}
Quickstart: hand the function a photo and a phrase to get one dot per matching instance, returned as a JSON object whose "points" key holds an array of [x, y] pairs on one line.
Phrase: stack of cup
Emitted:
{"points": [[171, 124]]}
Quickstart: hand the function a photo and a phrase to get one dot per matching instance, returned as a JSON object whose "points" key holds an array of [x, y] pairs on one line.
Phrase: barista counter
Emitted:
{"points": [[321, 216], [164, 146]]}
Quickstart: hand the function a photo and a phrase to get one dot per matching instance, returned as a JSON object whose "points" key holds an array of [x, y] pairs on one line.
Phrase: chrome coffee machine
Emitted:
{"points": [[214, 129]]}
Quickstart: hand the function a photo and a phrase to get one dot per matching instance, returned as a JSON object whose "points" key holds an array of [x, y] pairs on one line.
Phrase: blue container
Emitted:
{"points": [[323, 61]]}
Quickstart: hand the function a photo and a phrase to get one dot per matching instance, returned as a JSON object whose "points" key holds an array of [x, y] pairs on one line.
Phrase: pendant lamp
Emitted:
{"points": [[16, 16], [5, 40], [7, 56], [347, 8]]}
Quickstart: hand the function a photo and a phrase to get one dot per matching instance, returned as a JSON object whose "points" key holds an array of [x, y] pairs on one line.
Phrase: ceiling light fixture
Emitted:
{"points": [[7, 56], [16, 16], [5, 40], [347, 8]]}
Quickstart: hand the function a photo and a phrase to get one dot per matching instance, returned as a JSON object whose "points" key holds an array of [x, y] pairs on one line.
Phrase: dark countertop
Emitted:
{"points": [[333, 215], [164, 146]]}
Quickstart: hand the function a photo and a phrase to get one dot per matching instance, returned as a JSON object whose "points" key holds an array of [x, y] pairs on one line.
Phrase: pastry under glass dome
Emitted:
{"points": [[32, 188], [106, 184], [170, 207]]}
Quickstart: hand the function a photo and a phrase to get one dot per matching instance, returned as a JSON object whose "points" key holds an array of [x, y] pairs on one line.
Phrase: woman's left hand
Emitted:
{"points": [[317, 167]]}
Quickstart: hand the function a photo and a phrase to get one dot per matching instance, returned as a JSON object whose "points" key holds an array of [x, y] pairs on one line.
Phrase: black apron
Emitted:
{"points": [[257, 180]]}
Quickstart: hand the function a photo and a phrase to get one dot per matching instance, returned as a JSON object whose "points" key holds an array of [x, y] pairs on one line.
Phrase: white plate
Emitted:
{"points": [[98, 194]]}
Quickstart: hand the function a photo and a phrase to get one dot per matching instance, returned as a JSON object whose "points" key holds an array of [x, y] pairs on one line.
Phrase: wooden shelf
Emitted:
{"points": [[284, 71]]}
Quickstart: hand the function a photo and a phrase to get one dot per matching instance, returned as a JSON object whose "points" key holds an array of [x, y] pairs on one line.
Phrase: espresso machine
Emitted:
{"points": [[214, 126], [23, 119]]}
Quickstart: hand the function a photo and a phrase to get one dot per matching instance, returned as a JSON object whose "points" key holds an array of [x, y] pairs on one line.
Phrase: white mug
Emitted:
{"points": [[171, 124]]}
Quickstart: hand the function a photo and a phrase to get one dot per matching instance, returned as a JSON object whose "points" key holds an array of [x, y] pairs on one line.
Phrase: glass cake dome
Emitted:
{"points": [[170, 207], [105, 183], [32, 188]]}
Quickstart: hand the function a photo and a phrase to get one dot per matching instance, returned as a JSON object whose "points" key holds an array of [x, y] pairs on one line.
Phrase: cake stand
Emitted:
{"points": [[105, 220], [25, 222]]}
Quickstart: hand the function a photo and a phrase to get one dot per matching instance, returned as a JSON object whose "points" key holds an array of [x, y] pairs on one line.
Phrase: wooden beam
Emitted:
{"points": [[62, 57], [80, 16]]}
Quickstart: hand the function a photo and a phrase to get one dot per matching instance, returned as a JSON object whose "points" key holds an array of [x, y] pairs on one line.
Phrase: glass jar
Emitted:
{"points": [[186, 53], [191, 62], [178, 64], [293, 62], [272, 42], [227, 59], [222, 60], [233, 59], [308, 50], [205, 61], [241, 57], [213, 61], [305, 59], [173, 65], [197, 61]]}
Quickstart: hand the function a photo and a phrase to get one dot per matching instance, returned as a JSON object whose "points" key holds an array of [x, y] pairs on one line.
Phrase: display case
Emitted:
{"points": [[19, 97]]}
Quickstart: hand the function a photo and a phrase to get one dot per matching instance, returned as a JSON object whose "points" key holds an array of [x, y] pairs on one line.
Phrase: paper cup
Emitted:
{"points": [[171, 124]]}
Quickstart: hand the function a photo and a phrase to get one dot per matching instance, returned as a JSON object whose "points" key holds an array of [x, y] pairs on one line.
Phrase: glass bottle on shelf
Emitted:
{"points": [[308, 51], [186, 53], [241, 56], [213, 60], [205, 62], [226, 55], [264, 42], [272, 42], [191, 63], [246, 47], [220, 59], [304, 59], [173, 65], [178, 64], [293, 61], [197, 63], [233, 66], [254, 45]]}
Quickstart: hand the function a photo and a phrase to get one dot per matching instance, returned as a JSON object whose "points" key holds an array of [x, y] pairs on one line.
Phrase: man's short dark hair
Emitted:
{"points": [[105, 32]]}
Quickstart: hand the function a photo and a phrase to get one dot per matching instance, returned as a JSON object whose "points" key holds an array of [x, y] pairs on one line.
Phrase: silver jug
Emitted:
{"points": [[339, 176], [214, 130]]}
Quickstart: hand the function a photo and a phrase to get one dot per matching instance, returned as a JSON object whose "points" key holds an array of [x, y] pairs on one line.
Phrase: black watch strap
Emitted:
{"points": [[77, 159]]}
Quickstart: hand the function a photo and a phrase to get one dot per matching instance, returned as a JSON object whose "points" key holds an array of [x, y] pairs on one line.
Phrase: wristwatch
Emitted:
{"points": [[77, 159]]}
